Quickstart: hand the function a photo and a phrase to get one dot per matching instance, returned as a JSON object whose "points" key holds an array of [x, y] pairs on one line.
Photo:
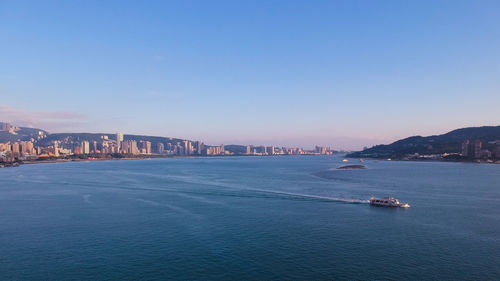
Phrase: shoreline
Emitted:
{"points": [[65, 160], [429, 160]]}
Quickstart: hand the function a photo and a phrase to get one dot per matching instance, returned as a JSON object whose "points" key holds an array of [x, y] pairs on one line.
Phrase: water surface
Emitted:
{"points": [[256, 218]]}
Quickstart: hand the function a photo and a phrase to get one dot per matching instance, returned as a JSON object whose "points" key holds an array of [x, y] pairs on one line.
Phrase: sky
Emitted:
{"points": [[345, 74]]}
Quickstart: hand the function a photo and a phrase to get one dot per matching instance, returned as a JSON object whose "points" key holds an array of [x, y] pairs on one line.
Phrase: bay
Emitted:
{"points": [[256, 218]]}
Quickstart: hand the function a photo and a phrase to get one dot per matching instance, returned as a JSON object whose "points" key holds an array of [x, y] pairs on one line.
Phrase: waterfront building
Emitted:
{"points": [[85, 147], [215, 150], [15, 149], [130, 147], [472, 149], [119, 140], [77, 150], [160, 147], [466, 148], [477, 148], [270, 150], [56, 149], [485, 153], [4, 147], [145, 147], [26, 148], [199, 147]]}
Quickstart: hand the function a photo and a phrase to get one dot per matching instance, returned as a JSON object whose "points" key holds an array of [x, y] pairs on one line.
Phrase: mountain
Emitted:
{"points": [[19, 133], [9, 133], [450, 142]]}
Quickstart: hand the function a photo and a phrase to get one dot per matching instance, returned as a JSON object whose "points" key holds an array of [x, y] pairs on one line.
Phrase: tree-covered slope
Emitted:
{"points": [[450, 142]]}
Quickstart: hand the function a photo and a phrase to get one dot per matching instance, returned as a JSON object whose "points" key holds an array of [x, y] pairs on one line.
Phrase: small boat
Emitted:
{"points": [[362, 160], [345, 160], [388, 202]]}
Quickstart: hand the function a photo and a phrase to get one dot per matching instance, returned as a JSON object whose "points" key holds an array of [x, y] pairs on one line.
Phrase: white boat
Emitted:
{"points": [[345, 160], [388, 202]]}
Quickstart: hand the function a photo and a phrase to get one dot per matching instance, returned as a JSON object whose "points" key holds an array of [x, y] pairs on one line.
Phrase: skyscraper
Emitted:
{"points": [[187, 147], [56, 149], [85, 147], [119, 140]]}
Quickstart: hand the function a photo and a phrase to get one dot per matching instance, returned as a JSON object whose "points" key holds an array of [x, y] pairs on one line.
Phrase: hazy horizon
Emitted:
{"points": [[288, 73]]}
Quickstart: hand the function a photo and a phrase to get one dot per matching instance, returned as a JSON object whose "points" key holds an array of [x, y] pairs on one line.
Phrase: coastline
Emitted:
{"points": [[477, 161], [65, 160], [155, 156]]}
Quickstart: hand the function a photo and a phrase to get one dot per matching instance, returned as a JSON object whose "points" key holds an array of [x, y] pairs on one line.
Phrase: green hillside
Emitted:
{"points": [[450, 142]]}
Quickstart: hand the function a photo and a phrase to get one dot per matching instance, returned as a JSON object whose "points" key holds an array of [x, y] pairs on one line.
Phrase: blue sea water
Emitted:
{"points": [[257, 218]]}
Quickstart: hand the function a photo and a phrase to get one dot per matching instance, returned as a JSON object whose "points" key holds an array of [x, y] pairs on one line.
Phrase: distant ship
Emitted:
{"points": [[345, 160], [388, 202]]}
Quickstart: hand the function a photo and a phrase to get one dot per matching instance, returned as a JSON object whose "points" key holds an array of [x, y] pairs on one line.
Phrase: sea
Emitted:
{"points": [[249, 218]]}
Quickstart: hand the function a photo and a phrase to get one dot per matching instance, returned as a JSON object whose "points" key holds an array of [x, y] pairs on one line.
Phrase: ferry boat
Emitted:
{"points": [[387, 202]]}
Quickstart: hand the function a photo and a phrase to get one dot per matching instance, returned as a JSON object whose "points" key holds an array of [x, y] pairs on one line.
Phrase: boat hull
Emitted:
{"points": [[388, 202]]}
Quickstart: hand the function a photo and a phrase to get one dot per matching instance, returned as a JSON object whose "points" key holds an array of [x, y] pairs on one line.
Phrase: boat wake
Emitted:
{"points": [[225, 189], [313, 197]]}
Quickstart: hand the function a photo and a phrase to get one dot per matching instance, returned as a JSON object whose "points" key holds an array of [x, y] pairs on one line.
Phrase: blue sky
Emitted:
{"points": [[299, 73]]}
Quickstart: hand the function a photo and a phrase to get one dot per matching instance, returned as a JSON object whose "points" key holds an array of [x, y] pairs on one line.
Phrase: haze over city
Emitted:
{"points": [[343, 74]]}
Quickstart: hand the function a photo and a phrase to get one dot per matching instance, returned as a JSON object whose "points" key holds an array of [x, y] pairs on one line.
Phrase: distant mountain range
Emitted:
{"points": [[450, 142]]}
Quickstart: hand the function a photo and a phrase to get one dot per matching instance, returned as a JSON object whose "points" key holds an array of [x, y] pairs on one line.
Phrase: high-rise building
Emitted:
{"points": [[160, 147], [199, 147], [270, 150], [187, 147], [472, 149], [130, 147], [466, 148], [145, 147], [15, 149], [477, 148], [85, 147], [248, 150], [56, 149], [94, 146], [119, 140], [78, 150], [26, 148], [497, 152]]}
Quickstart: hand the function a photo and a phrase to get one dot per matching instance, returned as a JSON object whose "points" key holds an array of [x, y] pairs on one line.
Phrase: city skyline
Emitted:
{"points": [[331, 73], [21, 144]]}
